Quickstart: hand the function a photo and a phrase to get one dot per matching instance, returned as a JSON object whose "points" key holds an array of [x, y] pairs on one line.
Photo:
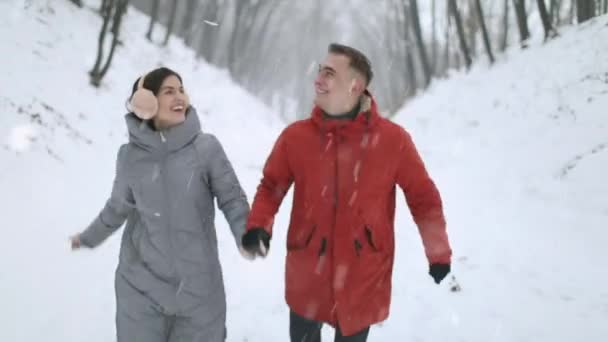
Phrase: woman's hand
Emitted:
{"points": [[75, 242]]}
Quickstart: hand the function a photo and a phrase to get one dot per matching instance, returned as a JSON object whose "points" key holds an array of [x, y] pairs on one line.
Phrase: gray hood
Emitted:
{"points": [[142, 134]]}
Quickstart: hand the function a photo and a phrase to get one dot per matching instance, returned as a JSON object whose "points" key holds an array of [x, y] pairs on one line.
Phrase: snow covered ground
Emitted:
{"points": [[519, 152]]}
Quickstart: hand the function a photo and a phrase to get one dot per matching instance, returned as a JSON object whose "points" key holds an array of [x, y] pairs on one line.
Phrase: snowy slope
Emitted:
{"points": [[58, 145], [527, 215], [520, 153]]}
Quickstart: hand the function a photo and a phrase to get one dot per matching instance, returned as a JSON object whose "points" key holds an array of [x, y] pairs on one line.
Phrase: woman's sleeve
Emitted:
{"points": [[116, 210]]}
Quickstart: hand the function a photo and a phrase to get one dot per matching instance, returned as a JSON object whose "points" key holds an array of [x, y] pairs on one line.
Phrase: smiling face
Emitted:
{"points": [[338, 86], [172, 103]]}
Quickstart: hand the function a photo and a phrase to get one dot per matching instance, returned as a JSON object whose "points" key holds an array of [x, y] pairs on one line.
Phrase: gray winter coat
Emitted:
{"points": [[164, 188]]}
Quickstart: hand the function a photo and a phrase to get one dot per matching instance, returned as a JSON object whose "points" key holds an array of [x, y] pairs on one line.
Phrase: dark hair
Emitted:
{"points": [[358, 60], [155, 78]]}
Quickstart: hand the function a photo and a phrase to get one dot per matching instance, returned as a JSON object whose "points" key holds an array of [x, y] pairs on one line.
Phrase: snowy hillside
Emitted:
{"points": [[58, 149], [519, 152]]}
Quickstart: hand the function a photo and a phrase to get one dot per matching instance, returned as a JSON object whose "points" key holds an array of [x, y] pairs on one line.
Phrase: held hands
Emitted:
{"points": [[255, 242]]}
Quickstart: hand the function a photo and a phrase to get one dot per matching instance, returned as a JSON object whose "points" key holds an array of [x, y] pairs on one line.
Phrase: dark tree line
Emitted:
{"points": [[254, 40]]}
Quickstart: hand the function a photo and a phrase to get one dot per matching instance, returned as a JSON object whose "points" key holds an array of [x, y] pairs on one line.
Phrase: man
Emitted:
{"points": [[346, 162]]}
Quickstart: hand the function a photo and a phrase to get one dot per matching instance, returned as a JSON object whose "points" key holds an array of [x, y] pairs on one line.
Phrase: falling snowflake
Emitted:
{"points": [[328, 145], [352, 199], [356, 170]]}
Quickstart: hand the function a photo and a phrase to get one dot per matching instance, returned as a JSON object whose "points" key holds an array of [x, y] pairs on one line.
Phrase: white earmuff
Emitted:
{"points": [[143, 102]]}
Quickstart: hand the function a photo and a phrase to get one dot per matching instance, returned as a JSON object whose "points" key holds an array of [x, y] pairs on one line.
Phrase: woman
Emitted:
{"points": [[169, 284]]}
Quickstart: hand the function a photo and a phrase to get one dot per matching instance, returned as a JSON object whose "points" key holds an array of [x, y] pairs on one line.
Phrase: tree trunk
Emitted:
{"points": [[554, 12], [605, 6], [522, 22], [484, 31], [121, 8], [188, 21], [250, 17], [470, 26], [232, 49], [153, 18], [446, 56], [585, 10], [434, 44], [419, 42], [107, 14], [263, 35], [572, 12], [549, 31], [504, 39], [103, 5], [171, 23], [210, 31], [458, 21], [410, 70], [77, 2]]}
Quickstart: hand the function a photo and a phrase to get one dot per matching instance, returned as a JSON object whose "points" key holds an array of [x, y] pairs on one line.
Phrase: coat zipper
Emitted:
{"points": [[168, 208], [333, 230]]}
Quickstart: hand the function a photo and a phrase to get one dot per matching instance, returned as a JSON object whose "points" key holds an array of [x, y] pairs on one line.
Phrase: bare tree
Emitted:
{"points": [[470, 25], [414, 15], [103, 5], [605, 6], [504, 37], [77, 2], [247, 31], [409, 62], [484, 31], [209, 35], [240, 10], [572, 11], [187, 22], [153, 18], [406, 37], [585, 10], [555, 9], [274, 16], [446, 55], [461, 37], [119, 7], [434, 43], [544, 15], [522, 21], [107, 15], [171, 23]]}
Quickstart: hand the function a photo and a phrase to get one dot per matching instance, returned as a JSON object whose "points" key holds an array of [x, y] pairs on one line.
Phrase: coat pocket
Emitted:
{"points": [[299, 237], [372, 239], [369, 239]]}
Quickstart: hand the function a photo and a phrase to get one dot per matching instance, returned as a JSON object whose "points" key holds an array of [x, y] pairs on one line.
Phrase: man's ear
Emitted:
{"points": [[357, 86]]}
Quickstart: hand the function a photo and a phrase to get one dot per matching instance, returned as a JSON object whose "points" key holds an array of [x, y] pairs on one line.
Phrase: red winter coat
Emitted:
{"points": [[340, 243]]}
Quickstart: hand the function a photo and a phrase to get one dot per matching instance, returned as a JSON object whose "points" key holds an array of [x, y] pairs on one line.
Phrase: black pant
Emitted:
{"points": [[304, 330]]}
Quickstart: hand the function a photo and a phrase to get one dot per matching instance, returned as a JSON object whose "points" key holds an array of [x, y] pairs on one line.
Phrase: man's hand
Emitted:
{"points": [[439, 271], [256, 242]]}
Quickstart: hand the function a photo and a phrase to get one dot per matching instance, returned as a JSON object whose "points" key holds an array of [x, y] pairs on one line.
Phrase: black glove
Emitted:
{"points": [[439, 271], [256, 241]]}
